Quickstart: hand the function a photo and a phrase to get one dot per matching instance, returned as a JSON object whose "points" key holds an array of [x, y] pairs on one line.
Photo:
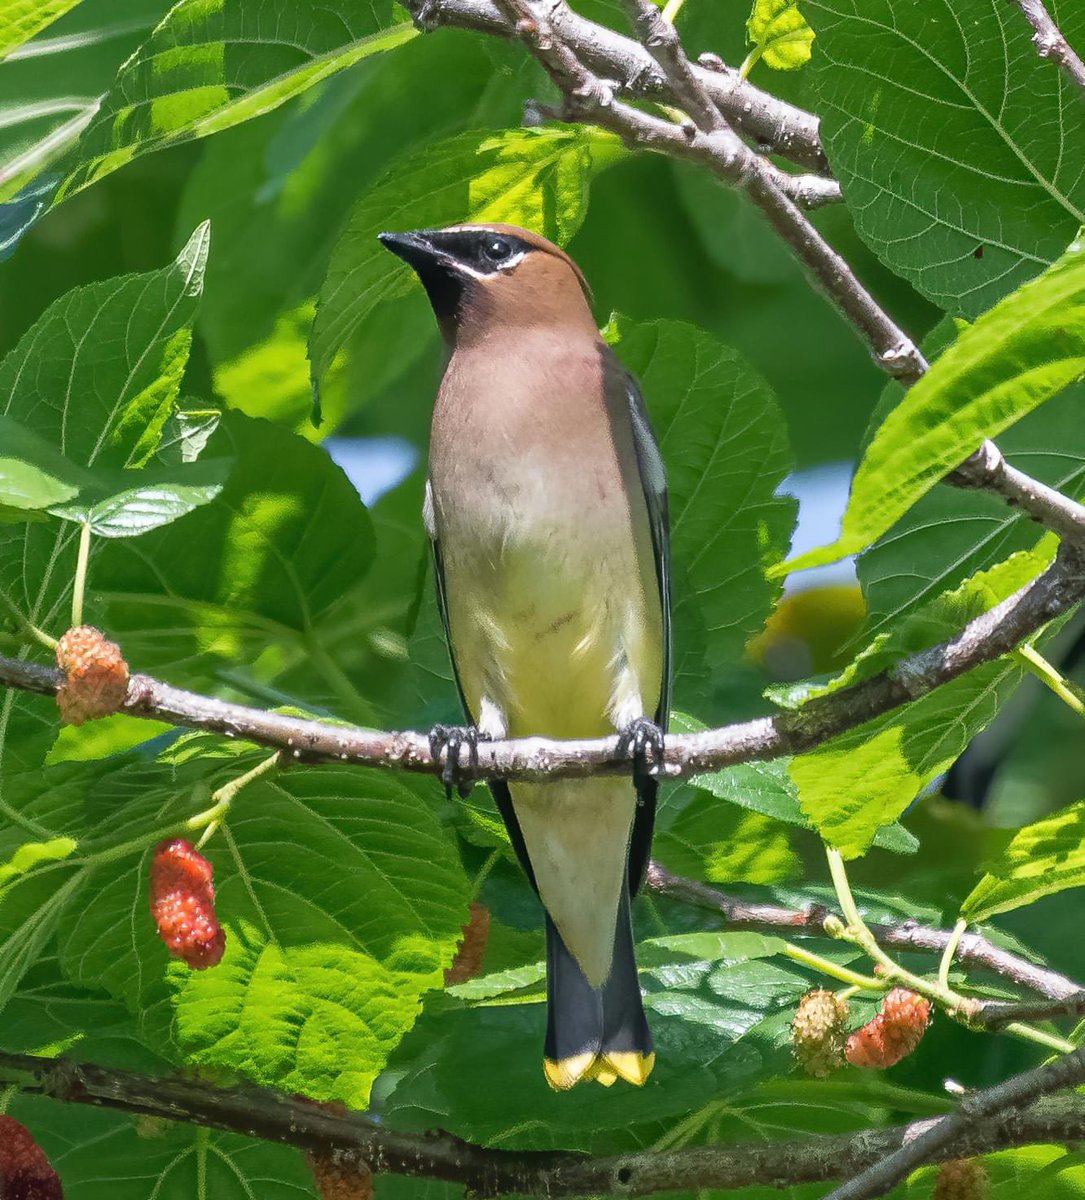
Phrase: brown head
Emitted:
{"points": [[486, 279]]}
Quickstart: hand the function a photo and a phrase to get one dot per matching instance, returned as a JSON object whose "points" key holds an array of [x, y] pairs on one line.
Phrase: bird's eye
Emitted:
{"points": [[497, 249]]}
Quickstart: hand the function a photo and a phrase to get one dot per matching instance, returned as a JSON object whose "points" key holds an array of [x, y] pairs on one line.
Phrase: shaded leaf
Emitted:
{"points": [[1043, 858], [210, 65], [953, 139]]}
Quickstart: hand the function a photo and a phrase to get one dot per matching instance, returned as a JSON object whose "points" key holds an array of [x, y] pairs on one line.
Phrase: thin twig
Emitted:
{"points": [[361, 1142], [975, 1108], [984, 639], [1050, 41], [773, 124]]}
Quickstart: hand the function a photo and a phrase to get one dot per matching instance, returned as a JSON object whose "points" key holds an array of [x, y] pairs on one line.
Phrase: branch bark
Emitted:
{"points": [[1050, 41], [363, 1142], [984, 639], [707, 138], [1062, 996], [943, 1136], [775, 125]]}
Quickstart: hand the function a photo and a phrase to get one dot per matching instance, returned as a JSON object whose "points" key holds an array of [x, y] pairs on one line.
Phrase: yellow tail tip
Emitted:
{"points": [[607, 1069]]}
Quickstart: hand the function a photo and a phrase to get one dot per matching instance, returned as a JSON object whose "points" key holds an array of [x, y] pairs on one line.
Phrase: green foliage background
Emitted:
{"points": [[164, 319]]}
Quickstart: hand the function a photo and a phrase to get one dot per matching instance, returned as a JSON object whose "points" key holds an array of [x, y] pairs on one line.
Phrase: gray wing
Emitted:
{"points": [[653, 477]]}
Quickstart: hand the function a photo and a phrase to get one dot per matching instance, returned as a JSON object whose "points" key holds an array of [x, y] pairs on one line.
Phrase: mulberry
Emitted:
{"points": [[95, 675], [183, 904], [893, 1033]]}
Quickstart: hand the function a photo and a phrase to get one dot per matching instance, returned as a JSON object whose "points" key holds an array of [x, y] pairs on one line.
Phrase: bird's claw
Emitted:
{"points": [[642, 741], [449, 740]]}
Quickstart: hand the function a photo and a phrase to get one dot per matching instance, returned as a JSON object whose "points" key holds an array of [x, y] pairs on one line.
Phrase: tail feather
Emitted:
{"points": [[595, 1033]]}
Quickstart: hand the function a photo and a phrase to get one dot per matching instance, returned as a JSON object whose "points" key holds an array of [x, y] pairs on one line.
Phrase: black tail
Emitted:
{"points": [[594, 1033]]}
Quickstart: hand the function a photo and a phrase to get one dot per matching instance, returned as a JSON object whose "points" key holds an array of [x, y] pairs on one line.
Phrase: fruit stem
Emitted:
{"points": [[864, 983], [80, 583], [957, 1006], [211, 818]]}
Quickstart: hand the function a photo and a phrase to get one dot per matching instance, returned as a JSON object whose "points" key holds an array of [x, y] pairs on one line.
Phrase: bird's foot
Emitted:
{"points": [[642, 741], [449, 740]]}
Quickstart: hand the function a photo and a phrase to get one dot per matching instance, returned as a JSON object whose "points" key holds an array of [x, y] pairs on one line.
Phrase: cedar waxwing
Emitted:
{"points": [[547, 508]]}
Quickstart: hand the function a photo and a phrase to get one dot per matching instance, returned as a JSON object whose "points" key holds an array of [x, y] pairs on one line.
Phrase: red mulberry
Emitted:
{"points": [[893, 1033], [183, 904], [25, 1172]]}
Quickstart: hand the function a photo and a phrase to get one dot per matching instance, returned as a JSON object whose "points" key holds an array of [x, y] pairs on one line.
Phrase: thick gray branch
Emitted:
{"points": [[1050, 41], [360, 1141], [777, 126], [988, 637]]}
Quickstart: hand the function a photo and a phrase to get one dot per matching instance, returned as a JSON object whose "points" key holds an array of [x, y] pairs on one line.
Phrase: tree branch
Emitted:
{"points": [[944, 1134], [1062, 995], [987, 637], [775, 125], [716, 146], [1050, 41], [356, 1140], [707, 138]]}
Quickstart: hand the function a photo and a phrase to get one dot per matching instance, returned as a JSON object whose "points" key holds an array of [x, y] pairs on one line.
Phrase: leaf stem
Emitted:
{"points": [[749, 62], [80, 583], [1031, 658], [211, 818], [671, 10], [1029, 1033]]}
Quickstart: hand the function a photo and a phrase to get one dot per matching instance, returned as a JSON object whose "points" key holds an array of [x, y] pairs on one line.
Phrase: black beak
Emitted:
{"points": [[415, 248]]}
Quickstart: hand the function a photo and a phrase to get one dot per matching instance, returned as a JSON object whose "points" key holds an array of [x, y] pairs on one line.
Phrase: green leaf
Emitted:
{"points": [[323, 971], [20, 20], [141, 500], [861, 779], [248, 585], [1021, 353], [779, 34], [537, 178], [766, 788], [212, 64], [103, 1155], [96, 377], [725, 446], [32, 853], [50, 89], [950, 533], [33, 474], [1043, 858], [953, 139]]}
